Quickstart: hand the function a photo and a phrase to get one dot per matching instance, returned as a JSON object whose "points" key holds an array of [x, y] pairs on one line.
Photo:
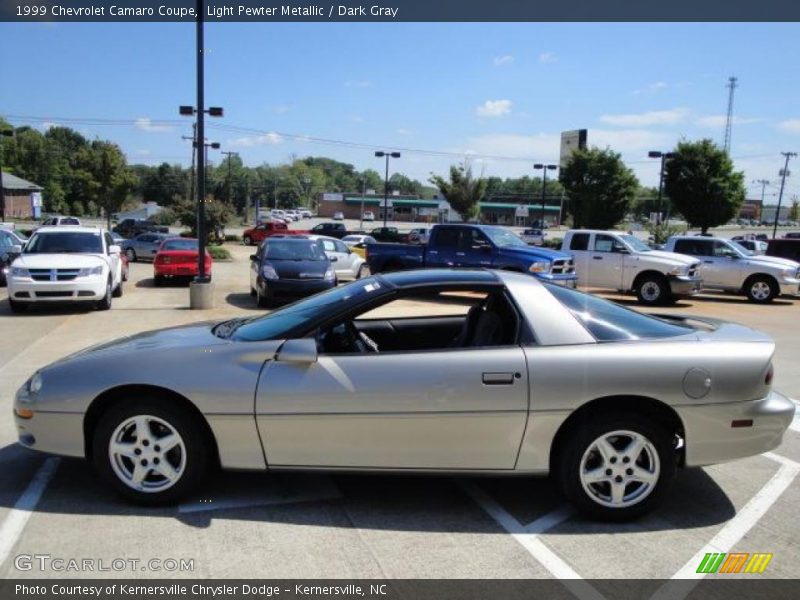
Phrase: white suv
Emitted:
{"points": [[66, 264]]}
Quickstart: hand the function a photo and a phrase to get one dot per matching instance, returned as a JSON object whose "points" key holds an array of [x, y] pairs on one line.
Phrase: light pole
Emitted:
{"points": [[3, 133], [307, 186], [381, 154], [663, 156], [229, 155], [784, 173], [544, 169], [363, 193]]}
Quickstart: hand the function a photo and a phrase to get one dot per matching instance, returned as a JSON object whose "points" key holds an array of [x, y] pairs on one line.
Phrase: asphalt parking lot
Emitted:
{"points": [[256, 525]]}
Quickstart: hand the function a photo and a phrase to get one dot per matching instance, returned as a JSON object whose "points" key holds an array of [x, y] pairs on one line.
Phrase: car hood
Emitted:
{"points": [[664, 256], [300, 269], [195, 334], [773, 261], [58, 261]]}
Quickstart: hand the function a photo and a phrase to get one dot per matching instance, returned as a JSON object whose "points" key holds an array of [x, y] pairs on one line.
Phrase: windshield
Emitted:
{"points": [[610, 322], [742, 249], [635, 243], [281, 322], [503, 238], [78, 242], [180, 244], [293, 250]]}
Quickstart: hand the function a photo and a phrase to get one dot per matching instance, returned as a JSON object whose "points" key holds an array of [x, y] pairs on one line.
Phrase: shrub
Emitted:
{"points": [[219, 253], [232, 237], [554, 243]]}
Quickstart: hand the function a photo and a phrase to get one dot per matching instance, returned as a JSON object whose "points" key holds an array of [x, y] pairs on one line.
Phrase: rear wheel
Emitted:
{"points": [[149, 451], [118, 291], [653, 290], [761, 289], [248, 241], [617, 467]]}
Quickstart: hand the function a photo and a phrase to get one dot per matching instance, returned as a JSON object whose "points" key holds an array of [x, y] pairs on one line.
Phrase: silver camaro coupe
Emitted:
{"points": [[502, 375]]}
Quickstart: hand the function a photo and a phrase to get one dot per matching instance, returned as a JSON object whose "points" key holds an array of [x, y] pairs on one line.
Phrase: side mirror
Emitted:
{"points": [[334, 259], [621, 250], [16, 249], [254, 257], [303, 350], [114, 249]]}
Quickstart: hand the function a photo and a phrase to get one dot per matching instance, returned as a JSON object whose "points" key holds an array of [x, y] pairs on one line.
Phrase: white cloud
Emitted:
{"points": [[145, 124], [494, 108], [717, 121], [358, 83], [500, 61], [790, 125], [655, 117], [652, 88], [267, 139], [143, 153], [403, 131], [547, 57]]}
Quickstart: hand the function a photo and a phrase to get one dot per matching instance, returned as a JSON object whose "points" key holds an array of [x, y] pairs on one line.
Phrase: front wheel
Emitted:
{"points": [[653, 290], [617, 467], [105, 303], [761, 289], [149, 451]]}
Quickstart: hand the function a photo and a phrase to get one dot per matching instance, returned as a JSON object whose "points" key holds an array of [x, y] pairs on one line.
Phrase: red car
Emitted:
{"points": [[177, 257], [257, 234]]}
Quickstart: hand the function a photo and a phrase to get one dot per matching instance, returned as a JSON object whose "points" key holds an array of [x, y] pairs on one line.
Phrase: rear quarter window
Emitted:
{"points": [[579, 241]]}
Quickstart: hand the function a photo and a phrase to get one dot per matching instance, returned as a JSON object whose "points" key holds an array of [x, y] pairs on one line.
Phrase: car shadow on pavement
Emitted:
{"points": [[397, 503], [734, 299], [49, 310], [243, 300], [174, 282]]}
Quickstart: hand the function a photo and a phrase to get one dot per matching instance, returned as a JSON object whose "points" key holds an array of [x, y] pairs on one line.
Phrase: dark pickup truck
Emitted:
{"points": [[474, 246], [129, 228]]}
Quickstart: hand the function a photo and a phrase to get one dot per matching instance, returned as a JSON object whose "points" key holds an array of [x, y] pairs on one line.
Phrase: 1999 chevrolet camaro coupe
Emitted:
{"points": [[514, 376]]}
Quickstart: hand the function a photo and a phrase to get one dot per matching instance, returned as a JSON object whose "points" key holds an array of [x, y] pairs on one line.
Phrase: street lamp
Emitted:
{"points": [[784, 173], [381, 154], [544, 169], [3, 133], [664, 156]]}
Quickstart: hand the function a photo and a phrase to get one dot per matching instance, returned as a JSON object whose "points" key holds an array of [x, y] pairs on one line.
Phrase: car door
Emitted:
{"points": [[712, 266], [442, 252], [579, 249], [345, 263], [606, 262], [443, 409], [475, 249]]}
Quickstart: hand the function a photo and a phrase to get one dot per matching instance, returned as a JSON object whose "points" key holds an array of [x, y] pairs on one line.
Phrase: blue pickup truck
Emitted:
{"points": [[474, 246]]}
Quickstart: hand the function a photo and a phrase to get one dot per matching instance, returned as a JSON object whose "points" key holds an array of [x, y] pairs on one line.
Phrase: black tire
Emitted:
{"points": [[105, 303], [131, 254], [361, 269], [570, 460], [17, 307], [248, 241], [158, 280], [190, 471], [761, 289], [125, 273], [252, 292], [261, 301], [118, 291], [653, 290]]}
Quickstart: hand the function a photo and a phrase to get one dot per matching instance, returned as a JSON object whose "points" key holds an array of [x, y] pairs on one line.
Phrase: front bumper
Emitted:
{"points": [[789, 286], [78, 289], [290, 288], [683, 285], [710, 437], [568, 280]]}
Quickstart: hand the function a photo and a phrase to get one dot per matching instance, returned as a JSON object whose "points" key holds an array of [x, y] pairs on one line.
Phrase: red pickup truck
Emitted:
{"points": [[257, 234]]}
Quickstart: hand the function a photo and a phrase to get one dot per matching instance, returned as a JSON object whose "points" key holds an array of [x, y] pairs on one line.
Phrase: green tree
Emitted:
{"points": [[794, 210], [463, 191], [110, 178], [217, 216], [702, 184], [599, 186]]}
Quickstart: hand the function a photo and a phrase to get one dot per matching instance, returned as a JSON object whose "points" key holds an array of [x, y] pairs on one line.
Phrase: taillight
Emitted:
{"points": [[770, 373]]}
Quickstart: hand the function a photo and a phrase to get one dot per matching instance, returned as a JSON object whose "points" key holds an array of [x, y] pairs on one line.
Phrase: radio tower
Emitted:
{"points": [[729, 121]]}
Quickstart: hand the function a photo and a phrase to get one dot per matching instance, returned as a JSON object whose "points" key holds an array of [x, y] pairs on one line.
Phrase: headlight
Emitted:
{"points": [[19, 272], [35, 383], [789, 273], [98, 270], [540, 266], [268, 271], [330, 275], [679, 271]]}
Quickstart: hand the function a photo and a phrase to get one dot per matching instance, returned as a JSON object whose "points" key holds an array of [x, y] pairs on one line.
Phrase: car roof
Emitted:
{"points": [[70, 228], [403, 279]]}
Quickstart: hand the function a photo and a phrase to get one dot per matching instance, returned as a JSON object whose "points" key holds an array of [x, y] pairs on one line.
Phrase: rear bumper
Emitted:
{"points": [[682, 285], [178, 270], [711, 439]]}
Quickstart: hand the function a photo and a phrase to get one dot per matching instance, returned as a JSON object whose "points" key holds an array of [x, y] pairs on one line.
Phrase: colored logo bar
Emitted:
{"points": [[734, 562]]}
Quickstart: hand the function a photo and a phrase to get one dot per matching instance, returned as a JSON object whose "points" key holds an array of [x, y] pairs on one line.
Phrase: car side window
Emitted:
{"points": [[722, 249], [579, 241], [329, 246], [109, 241], [603, 243], [703, 248], [684, 247], [5, 241], [447, 237], [341, 247]]}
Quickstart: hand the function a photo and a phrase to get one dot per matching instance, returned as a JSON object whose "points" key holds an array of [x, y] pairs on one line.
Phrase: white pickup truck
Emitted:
{"points": [[619, 261], [729, 267]]}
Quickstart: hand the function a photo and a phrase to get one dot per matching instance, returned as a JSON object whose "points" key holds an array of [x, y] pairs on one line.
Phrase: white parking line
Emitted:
{"points": [[734, 530], [16, 520], [527, 537]]}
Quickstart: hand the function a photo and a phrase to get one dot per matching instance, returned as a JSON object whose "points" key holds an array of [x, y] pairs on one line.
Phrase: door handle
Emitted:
{"points": [[597, 257], [460, 254], [499, 378]]}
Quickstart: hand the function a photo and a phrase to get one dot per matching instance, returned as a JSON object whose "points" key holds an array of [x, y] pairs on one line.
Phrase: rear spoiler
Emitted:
{"points": [[718, 329]]}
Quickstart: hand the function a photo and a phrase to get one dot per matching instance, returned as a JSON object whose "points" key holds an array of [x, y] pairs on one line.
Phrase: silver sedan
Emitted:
{"points": [[501, 375]]}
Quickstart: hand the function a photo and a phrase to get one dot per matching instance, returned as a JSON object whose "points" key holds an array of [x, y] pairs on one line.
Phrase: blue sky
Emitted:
{"points": [[496, 90]]}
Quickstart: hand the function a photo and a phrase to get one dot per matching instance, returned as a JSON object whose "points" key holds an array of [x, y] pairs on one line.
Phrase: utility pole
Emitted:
{"points": [[193, 137], [784, 173], [763, 183], [228, 182], [732, 85]]}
